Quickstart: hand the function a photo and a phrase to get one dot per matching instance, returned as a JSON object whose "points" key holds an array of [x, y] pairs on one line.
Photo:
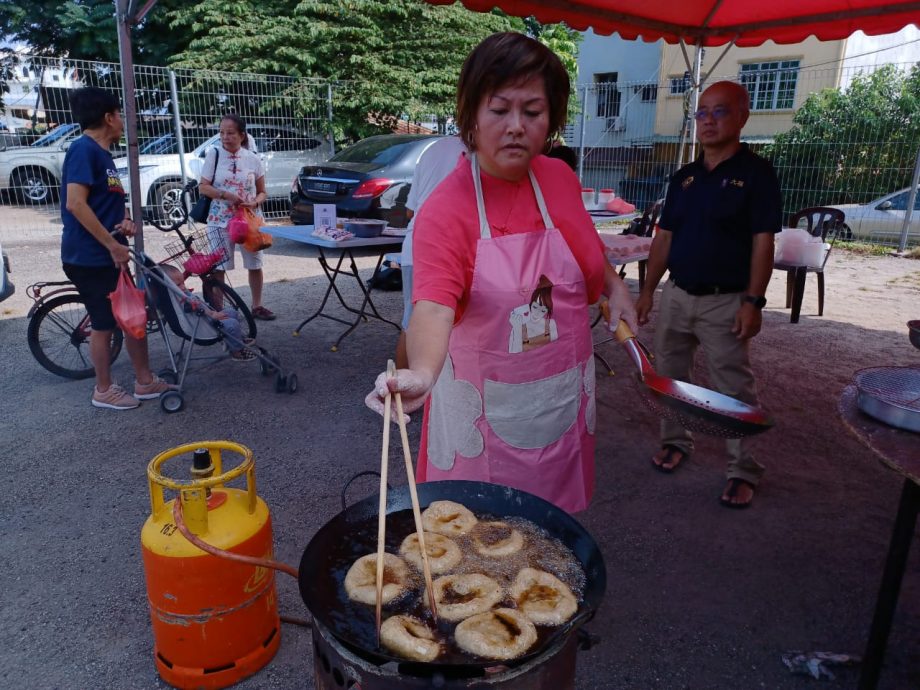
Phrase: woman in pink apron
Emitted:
{"points": [[506, 263]]}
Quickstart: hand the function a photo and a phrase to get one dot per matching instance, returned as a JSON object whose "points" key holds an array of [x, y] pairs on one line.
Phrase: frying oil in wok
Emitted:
{"points": [[540, 551]]}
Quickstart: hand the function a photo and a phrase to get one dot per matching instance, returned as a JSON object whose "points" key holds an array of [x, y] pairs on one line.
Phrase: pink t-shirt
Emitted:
{"points": [[447, 228]]}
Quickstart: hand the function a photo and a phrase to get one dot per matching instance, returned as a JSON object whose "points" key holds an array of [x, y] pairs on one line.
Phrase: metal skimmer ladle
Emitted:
{"points": [[693, 407]]}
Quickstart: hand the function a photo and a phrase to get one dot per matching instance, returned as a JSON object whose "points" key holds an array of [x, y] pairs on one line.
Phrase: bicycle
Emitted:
{"points": [[59, 325]]}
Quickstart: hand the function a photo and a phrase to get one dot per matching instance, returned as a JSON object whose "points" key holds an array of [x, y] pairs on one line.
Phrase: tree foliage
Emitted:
{"points": [[850, 146], [389, 58], [85, 29]]}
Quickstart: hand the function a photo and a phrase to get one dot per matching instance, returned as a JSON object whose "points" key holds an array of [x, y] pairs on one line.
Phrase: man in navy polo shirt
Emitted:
{"points": [[94, 244], [716, 238]]}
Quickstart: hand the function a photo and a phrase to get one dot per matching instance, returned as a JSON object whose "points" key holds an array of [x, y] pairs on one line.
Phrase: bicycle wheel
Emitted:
{"points": [[58, 337], [219, 295]]}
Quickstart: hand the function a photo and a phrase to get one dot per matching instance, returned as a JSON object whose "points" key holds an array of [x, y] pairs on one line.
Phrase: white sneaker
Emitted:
{"points": [[114, 398]]}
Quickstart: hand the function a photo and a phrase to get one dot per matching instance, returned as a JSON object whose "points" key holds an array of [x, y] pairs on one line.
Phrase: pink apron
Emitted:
{"points": [[514, 403]]}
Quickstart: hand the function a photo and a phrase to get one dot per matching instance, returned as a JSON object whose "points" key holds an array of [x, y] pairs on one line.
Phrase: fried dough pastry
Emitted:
{"points": [[361, 580], [448, 518], [498, 634], [496, 539], [462, 596], [543, 597], [409, 637], [443, 553]]}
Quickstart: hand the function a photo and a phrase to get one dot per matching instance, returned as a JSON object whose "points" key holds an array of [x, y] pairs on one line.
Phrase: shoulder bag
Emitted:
{"points": [[202, 207]]}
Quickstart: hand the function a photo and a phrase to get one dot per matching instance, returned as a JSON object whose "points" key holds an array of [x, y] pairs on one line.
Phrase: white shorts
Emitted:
{"points": [[219, 237]]}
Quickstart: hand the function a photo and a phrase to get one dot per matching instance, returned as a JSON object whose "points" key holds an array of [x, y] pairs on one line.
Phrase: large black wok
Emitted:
{"points": [[352, 534]]}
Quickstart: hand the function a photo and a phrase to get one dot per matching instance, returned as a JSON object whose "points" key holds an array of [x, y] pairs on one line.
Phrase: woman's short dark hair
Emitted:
{"points": [[505, 59], [240, 127], [91, 104]]}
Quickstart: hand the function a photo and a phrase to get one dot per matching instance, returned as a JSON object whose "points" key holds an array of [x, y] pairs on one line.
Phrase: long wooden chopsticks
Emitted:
{"points": [[382, 511], [416, 510], [382, 507]]}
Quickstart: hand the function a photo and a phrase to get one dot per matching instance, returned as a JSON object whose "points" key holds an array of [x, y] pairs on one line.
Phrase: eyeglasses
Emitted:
{"points": [[233, 166], [717, 113]]}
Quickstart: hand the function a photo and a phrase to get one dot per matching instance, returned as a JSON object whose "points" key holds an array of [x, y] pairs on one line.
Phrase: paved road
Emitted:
{"points": [[698, 597]]}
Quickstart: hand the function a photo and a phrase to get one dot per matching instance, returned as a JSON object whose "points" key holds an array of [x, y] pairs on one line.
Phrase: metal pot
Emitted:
{"points": [[352, 533]]}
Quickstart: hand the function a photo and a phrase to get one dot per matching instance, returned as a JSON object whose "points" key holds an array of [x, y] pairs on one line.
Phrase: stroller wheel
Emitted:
{"points": [[292, 383], [168, 375], [265, 367], [172, 401], [280, 383]]}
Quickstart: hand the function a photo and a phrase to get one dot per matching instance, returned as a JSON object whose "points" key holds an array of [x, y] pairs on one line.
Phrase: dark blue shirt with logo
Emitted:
{"points": [[713, 216], [89, 164]]}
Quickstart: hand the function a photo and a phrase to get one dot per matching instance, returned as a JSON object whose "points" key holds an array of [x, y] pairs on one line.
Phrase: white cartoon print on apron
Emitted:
{"points": [[532, 325]]}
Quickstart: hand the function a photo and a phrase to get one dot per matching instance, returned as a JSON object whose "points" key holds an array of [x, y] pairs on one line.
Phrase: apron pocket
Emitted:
{"points": [[455, 407], [534, 414]]}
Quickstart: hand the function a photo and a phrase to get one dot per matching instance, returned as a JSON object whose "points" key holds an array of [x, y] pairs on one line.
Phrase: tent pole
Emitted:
{"points": [[911, 203], [695, 98], [177, 124], [129, 108], [581, 136]]}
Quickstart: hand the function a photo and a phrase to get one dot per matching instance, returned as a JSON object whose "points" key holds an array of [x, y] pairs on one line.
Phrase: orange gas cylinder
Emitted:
{"points": [[215, 621]]}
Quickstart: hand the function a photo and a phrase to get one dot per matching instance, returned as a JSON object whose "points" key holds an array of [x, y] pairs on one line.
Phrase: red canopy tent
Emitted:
{"points": [[715, 22]]}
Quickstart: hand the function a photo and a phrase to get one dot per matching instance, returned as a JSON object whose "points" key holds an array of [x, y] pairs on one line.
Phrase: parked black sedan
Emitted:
{"points": [[370, 179]]}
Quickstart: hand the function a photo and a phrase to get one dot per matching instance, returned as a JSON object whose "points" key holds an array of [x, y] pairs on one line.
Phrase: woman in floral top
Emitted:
{"points": [[232, 176]]}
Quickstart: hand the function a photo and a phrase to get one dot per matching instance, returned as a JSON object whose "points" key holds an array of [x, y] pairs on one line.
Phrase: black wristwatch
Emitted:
{"points": [[758, 302]]}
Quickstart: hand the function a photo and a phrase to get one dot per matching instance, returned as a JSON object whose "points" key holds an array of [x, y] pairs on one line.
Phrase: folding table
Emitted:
{"points": [[341, 250]]}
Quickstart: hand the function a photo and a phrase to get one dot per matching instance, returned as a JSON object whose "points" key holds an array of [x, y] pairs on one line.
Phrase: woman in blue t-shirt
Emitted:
{"points": [[92, 209]]}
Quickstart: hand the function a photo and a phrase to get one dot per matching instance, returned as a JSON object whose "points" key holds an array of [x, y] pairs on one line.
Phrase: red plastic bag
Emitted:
{"points": [[129, 307], [238, 227]]}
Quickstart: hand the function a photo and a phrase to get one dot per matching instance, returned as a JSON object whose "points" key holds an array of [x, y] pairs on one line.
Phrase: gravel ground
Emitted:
{"points": [[698, 596]]}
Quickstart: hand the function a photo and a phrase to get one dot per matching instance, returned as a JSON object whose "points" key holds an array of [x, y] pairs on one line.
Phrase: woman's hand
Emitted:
{"points": [[619, 302], [412, 386], [230, 197], [126, 227], [254, 204]]}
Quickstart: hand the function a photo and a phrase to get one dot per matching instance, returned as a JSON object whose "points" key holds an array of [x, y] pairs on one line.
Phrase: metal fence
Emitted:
{"points": [[629, 137]]}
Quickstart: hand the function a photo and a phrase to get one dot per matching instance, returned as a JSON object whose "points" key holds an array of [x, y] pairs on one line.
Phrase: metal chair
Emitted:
{"points": [[822, 222]]}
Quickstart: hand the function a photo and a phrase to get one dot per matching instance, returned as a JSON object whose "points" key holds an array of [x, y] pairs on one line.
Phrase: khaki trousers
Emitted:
{"points": [[686, 322]]}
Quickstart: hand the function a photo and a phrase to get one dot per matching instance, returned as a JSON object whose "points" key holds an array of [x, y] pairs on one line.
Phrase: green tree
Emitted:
{"points": [[85, 29], [389, 58], [850, 146]]}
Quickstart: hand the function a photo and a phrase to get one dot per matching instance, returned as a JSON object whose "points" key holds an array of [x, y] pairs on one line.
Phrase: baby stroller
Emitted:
{"points": [[187, 317]]}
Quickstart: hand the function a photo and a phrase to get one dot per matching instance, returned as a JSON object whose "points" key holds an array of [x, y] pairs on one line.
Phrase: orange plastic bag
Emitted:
{"points": [[256, 240], [129, 307]]}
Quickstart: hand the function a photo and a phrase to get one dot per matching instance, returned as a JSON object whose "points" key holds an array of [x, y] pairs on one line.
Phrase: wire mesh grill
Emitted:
{"points": [[199, 252], [892, 385], [689, 422]]}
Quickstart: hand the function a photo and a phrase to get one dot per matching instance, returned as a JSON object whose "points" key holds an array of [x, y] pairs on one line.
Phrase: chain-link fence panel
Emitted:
{"points": [[837, 136]]}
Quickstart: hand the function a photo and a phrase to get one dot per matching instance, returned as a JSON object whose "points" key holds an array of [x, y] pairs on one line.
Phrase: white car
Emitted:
{"points": [[6, 282], [33, 173], [283, 151], [881, 219]]}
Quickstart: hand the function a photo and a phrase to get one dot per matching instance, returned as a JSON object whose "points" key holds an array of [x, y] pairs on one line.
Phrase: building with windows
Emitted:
{"points": [[617, 93], [778, 77]]}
